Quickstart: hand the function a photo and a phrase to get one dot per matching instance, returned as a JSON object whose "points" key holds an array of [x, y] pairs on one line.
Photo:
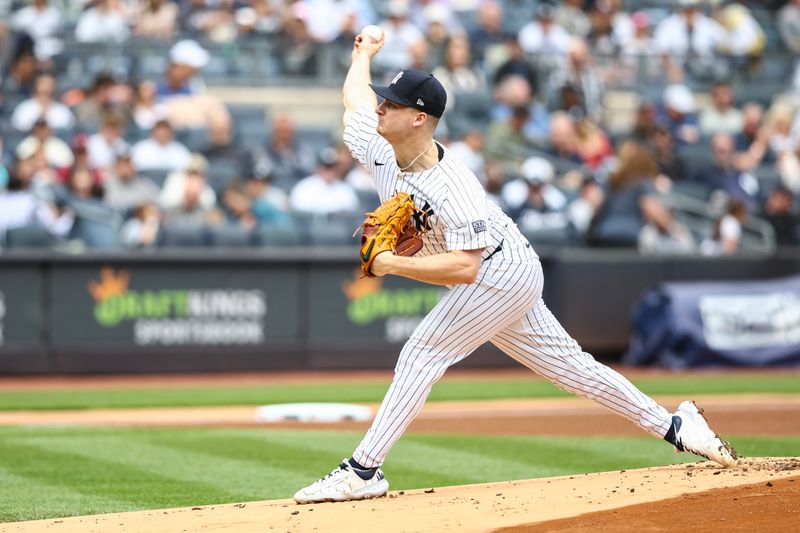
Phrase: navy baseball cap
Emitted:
{"points": [[416, 89]]}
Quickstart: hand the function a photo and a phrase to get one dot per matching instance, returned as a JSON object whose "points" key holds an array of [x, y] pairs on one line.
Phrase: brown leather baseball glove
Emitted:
{"points": [[390, 228]]}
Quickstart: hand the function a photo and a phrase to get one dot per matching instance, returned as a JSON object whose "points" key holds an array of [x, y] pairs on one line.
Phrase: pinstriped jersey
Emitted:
{"points": [[452, 206]]}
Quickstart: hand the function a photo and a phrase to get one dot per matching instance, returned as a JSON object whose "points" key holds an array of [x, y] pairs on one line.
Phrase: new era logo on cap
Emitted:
{"points": [[417, 89]]}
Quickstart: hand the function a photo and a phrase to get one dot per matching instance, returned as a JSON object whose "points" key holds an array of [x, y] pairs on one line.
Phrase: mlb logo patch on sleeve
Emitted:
{"points": [[479, 226]]}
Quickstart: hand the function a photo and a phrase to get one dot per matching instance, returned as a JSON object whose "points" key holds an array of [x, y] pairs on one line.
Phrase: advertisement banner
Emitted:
{"points": [[147, 305], [20, 306], [347, 306], [755, 323]]}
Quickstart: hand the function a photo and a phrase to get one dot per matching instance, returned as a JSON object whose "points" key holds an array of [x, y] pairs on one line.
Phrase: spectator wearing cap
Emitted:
{"points": [[173, 193], [533, 201], [400, 35], [325, 191], [105, 21], [156, 19], [186, 59], [42, 104], [57, 153], [678, 114], [789, 25], [42, 22], [160, 150], [721, 115], [104, 145], [689, 41], [261, 187], [125, 189], [186, 104], [542, 36], [579, 73]]}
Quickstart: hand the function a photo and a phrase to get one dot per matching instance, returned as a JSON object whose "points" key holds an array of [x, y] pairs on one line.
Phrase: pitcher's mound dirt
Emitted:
{"points": [[472, 508]]}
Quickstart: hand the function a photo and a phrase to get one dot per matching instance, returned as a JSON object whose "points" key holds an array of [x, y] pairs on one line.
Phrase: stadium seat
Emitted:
{"points": [[318, 138], [471, 110], [181, 236], [334, 230], [230, 235], [278, 236], [29, 237]]}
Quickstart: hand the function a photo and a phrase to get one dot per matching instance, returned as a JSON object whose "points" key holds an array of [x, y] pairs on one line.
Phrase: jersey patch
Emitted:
{"points": [[479, 226]]}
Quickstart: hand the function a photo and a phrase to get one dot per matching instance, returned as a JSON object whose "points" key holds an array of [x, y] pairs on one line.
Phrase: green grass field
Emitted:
{"points": [[50, 472]]}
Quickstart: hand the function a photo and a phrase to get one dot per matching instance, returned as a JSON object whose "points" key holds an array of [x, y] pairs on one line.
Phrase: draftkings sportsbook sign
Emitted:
{"points": [[168, 308]]}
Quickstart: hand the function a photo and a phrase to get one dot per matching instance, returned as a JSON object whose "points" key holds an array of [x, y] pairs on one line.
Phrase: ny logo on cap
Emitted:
{"points": [[397, 78], [420, 102]]}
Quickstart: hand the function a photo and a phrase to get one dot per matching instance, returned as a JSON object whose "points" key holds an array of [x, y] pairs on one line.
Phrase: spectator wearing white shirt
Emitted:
{"points": [[57, 153], [325, 191], [102, 23], [329, 20], [160, 150], [42, 104], [727, 231], [721, 115], [125, 189], [104, 145], [400, 37], [173, 193], [689, 40], [544, 37], [789, 25], [43, 23]]}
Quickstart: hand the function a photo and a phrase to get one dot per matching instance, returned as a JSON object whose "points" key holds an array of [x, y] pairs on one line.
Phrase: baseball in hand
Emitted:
{"points": [[373, 33]]}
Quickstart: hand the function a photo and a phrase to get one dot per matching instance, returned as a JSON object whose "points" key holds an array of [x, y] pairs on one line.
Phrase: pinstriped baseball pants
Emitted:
{"points": [[504, 306]]}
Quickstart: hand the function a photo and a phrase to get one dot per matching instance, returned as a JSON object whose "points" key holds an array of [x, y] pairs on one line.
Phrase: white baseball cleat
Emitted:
{"points": [[343, 484], [690, 433]]}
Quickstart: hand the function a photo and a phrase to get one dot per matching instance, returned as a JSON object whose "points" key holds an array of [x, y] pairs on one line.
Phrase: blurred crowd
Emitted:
{"points": [[663, 126]]}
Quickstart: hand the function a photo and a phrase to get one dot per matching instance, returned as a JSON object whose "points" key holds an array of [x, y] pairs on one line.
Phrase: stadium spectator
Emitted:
{"points": [[571, 15], [678, 114], [19, 207], [612, 28], [582, 209], [564, 144], [160, 150], [98, 99], [745, 37], [105, 21], [156, 19], [194, 209], [721, 115], [146, 109], [631, 202], [543, 37], [82, 185], [243, 210], [142, 229], [42, 22], [332, 20], [104, 145], [222, 149], [779, 211], [291, 157], [789, 25], [125, 189], [325, 191], [186, 59], [489, 37], [506, 141], [42, 104], [516, 65], [727, 231], [208, 19], [722, 174], [19, 82], [578, 73], [533, 201], [261, 186], [670, 163], [752, 119], [57, 153], [593, 145], [469, 150], [637, 63], [400, 36], [438, 24], [261, 18], [298, 49], [457, 73], [516, 92], [689, 42], [192, 176]]}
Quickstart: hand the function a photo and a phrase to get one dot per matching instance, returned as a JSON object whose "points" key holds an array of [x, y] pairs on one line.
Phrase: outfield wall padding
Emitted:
{"points": [[212, 310]]}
